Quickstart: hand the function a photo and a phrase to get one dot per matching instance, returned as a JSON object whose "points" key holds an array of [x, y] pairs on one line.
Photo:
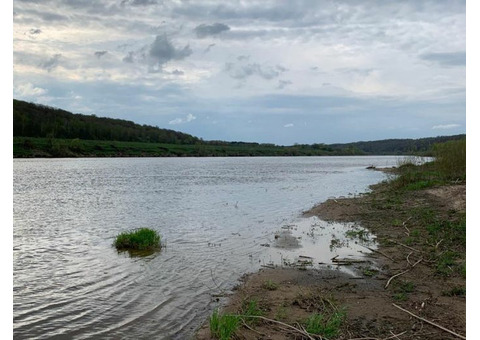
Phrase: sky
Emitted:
{"points": [[280, 72]]}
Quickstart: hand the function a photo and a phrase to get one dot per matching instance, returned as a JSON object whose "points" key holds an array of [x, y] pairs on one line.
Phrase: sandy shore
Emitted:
{"points": [[404, 299]]}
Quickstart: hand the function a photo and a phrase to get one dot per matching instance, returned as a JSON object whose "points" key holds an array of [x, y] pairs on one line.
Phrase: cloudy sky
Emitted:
{"points": [[280, 72]]}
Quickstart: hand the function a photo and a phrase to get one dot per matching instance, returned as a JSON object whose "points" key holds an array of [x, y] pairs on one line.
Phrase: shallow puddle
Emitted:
{"points": [[314, 243]]}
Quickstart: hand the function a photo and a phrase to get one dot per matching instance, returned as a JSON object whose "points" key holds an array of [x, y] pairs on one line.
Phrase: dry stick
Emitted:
{"points": [[406, 271], [430, 322], [403, 245], [404, 225], [378, 251], [394, 276], [250, 328], [395, 335], [280, 323], [408, 257]]}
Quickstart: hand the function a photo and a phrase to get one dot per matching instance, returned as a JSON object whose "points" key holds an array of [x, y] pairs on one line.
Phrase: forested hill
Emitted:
{"points": [[43, 131], [34, 120], [396, 146]]}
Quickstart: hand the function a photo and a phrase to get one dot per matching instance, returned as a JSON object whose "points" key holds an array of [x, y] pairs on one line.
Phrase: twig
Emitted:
{"points": [[250, 328], [403, 245], [408, 257], [430, 322], [406, 271], [395, 335], [280, 323], [381, 253], [394, 276], [404, 225]]}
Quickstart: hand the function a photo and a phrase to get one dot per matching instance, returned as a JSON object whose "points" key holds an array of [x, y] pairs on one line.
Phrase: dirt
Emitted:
{"points": [[377, 304]]}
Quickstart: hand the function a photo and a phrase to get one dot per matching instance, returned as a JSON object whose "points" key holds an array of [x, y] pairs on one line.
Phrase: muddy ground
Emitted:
{"points": [[404, 299]]}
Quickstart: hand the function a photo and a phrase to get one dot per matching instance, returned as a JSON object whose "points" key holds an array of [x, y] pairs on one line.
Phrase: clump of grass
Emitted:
{"points": [[270, 285], [251, 310], [223, 327], [139, 239], [325, 326]]}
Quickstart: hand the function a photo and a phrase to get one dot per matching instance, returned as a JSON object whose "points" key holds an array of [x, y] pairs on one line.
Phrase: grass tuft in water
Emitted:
{"points": [[139, 239]]}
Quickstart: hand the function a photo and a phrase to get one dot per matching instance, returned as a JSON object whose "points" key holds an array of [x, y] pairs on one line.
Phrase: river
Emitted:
{"points": [[219, 218]]}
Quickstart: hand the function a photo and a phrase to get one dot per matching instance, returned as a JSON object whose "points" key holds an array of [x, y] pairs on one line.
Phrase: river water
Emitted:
{"points": [[219, 218]]}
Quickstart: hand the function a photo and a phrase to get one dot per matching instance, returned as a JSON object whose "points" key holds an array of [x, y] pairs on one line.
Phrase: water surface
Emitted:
{"points": [[216, 216]]}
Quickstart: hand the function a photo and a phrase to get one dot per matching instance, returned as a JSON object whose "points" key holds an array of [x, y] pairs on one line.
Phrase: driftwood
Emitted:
{"points": [[430, 322]]}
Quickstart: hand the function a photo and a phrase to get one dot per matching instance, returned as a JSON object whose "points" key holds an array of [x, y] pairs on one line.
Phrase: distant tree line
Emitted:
{"points": [[34, 120], [41, 121], [397, 146]]}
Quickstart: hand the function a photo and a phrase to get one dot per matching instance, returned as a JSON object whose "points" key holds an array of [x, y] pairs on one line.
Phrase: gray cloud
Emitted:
{"points": [[139, 2], [209, 47], [51, 63], [162, 50], [100, 54], [446, 59], [283, 83], [158, 53], [35, 31], [243, 71], [129, 58], [203, 30]]}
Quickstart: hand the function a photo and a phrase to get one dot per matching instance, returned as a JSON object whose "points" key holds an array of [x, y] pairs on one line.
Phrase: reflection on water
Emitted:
{"points": [[216, 216]]}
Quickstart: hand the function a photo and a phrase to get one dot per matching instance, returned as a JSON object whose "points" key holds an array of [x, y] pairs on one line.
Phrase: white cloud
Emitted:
{"points": [[289, 125], [28, 90], [445, 126], [187, 119]]}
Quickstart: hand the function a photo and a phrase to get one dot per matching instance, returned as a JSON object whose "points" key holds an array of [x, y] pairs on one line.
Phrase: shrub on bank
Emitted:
{"points": [[139, 239], [451, 159], [449, 164]]}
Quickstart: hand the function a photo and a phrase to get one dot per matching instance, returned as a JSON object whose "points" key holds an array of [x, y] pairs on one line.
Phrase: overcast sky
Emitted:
{"points": [[280, 72]]}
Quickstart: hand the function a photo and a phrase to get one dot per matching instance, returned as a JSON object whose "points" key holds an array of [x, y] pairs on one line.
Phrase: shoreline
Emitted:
{"points": [[402, 296]]}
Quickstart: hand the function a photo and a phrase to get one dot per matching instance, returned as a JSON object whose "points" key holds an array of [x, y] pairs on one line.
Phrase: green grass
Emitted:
{"points": [[139, 239], [323, 325], [223, 326], [270, 285], [449, 165]]}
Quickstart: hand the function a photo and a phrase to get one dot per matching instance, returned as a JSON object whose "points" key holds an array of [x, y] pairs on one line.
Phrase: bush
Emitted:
{"points": [[451, 158], [139, 239]]}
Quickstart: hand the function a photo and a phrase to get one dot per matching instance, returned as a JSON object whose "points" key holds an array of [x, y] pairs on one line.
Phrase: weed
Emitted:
{"points": [[326, 326], [281, 313], [270, 285], [223, 327], [369, 272], [360, 234], [400, 297]]}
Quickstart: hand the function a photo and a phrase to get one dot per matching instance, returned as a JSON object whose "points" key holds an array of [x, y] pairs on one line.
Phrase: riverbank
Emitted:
{"points": [[415, 290]]}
